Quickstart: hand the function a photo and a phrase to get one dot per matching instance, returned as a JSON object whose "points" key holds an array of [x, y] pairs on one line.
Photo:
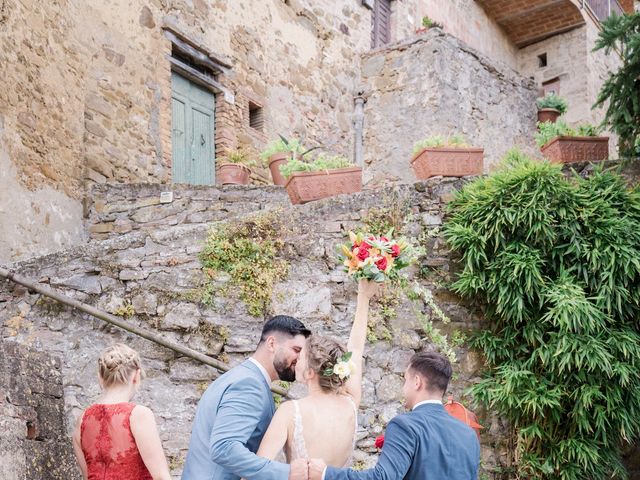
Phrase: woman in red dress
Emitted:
{"points": [[115, 439]]}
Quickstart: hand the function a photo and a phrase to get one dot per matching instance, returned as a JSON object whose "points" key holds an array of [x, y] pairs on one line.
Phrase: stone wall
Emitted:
{"points": [[154, 274], [117, 209], [465, 20], [87, 98], [580, 72], [33, 426], [434, 84]]}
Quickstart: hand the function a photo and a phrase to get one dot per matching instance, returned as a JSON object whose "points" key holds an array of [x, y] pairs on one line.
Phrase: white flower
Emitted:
{"points": [[342, 369]]}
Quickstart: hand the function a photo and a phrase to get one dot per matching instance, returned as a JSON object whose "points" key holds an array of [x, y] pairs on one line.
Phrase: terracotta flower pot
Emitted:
{"points": [[304, 187], [576, 149], [448, 162], [275, 161], [233, 174], [548, 115]]}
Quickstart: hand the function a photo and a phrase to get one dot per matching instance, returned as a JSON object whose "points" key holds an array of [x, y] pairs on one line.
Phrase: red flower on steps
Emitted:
{"points": [[379, 441]]}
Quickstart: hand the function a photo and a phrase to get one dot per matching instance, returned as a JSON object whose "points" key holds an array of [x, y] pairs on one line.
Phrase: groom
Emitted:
{"points": [[235, 411], [427, 442]]}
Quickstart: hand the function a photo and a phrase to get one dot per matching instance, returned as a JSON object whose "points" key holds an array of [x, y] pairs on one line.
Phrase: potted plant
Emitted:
{"points": [[550, 107], [449, 157], [560, 143], [279, 151], [326, 176], [427, 23], [234, 169]]}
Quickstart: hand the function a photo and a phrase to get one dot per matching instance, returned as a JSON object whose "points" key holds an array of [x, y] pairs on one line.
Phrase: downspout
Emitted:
{"points": [[358, 129]]}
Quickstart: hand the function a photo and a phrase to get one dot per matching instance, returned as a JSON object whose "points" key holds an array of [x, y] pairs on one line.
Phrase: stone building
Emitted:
{"points": [[98, 92], [107, 104]]}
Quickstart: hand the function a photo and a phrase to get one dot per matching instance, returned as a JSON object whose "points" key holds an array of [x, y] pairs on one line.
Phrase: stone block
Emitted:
{"points": [[85, 283], [182, 316], [133, 275], [389, 388], [102, 228], [145, 303]]}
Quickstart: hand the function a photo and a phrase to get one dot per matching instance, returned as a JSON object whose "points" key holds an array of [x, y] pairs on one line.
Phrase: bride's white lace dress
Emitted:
{"points": [[298, 447]]}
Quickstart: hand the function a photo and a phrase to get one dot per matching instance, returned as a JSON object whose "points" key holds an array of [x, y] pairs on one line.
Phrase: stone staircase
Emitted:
{"points": [[142, 261], [143, 258]]}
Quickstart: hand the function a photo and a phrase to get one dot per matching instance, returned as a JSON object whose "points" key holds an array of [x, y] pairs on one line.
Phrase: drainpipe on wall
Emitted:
{"points": [[358, 128]]}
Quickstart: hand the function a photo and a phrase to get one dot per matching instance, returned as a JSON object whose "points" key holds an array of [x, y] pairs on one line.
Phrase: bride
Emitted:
{"points": [[333, 376]]}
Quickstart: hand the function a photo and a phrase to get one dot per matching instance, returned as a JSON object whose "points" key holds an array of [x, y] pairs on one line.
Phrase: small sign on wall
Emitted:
{"points": [[166, 197]]}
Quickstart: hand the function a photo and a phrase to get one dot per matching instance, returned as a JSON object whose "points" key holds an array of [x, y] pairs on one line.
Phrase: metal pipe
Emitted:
{"points": [[119, 322], [358, 128]]}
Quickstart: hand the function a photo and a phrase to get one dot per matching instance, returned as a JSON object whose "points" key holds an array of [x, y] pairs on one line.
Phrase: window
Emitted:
{"points": [[542, 60], [381, 23], [256, 116], [551, 86]]}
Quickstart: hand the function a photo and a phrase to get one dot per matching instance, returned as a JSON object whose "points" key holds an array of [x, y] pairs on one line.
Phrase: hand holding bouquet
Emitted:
{"points": [[375, 258]]}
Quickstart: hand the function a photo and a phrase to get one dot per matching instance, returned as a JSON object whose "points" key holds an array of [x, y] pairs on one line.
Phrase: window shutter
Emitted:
{"points": [[381, 23]]}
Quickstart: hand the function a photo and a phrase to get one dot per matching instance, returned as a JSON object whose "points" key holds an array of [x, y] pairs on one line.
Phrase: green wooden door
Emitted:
{"points": [[192, 132]]}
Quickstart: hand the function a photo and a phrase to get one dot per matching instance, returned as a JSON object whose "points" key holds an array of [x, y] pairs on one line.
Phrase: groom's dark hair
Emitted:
{"points": [[283, 324], [434, 368]]}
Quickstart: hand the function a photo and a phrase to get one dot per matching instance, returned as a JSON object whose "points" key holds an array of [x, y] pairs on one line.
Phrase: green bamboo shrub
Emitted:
{"points": [[556, 262]]}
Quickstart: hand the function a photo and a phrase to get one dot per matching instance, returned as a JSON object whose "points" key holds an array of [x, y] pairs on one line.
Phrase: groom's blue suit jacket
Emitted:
{"points": [[425, 444], [232, 417]]}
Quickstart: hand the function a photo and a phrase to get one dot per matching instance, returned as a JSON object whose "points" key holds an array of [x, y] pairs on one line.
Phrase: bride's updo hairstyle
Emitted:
{"points": [[117, 363], [323, 353]]}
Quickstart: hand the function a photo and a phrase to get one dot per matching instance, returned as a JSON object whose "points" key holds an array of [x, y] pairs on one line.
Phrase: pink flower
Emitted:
{"points": [[395, 250]]}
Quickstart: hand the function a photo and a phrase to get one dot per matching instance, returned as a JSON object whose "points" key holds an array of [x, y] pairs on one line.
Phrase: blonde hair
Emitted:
{"points": [[323, 353], [117, 363]]}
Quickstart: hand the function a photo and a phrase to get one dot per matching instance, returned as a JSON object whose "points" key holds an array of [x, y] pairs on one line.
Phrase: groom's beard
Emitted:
{"points": [[285, 372]]}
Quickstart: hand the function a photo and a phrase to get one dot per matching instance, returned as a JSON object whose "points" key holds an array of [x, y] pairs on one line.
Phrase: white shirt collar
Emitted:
{"points": [[424, 402], [262, 370]]}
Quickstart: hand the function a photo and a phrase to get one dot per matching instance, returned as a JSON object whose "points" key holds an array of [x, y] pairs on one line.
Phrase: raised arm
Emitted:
{"points": [[145, 432], [276, 437], [358, 336]]}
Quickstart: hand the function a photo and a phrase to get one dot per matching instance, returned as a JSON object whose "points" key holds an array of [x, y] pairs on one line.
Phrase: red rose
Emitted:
{"points": [[363, 251], [382, 264], [384, 239], [379, 441], [395, 250]]}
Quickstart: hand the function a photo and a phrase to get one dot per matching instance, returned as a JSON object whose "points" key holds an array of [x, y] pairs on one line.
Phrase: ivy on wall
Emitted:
{"points": [[250, 253]]}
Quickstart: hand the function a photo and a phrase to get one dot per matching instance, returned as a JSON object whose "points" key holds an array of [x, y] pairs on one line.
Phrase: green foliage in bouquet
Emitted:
{"points": [[556, 262], [249, 252], [548, 131], [376, 258], [552, 100], [438, 141], [321, 162]]}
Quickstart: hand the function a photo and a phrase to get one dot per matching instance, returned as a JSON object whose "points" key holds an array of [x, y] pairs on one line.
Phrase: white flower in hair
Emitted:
{"points": [[343, 368]]}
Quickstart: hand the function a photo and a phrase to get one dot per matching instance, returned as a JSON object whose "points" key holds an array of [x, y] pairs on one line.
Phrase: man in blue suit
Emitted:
{"points": [[425, 444], [235, 411]]}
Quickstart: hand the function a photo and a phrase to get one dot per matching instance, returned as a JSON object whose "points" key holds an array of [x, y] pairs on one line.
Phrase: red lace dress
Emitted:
{"points": [[108, 445]]}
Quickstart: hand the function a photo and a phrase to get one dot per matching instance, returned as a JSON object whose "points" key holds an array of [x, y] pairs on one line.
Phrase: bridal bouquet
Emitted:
{"points": [[375, 258]]}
